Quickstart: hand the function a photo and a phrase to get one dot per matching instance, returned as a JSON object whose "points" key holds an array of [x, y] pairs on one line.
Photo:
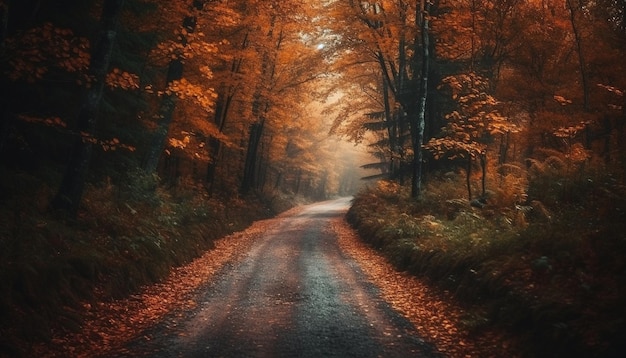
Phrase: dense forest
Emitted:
{"points": [[133, 133], [500, 131]]}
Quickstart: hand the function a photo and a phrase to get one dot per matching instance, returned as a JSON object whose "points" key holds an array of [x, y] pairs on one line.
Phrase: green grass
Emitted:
{"points": [[557, 281]]}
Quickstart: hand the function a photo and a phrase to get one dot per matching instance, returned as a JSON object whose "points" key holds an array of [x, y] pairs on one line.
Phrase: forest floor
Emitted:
{"points": [[472, 281], [115, 328], [552, 276], [53, 269]]}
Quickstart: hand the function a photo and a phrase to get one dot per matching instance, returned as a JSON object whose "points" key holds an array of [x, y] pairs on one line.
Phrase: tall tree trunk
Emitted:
{"points": [[392, 130], [72, 186], [298, 182], [483, 178], [260, 108], [168, 103], [417, 132], [468, 175], [4, 23], [279, 178], [225, 97], [215, 145], [249, 171], [262, 164], [166, 114], [581, 56]]}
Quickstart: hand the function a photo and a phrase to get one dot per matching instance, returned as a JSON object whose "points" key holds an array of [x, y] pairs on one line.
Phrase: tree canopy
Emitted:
{"points": [[241, 96]]}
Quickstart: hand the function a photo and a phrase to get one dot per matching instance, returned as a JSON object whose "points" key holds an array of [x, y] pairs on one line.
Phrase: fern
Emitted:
{"points": [[556, 163], [509, 168], [513, 190], [543, 153]]}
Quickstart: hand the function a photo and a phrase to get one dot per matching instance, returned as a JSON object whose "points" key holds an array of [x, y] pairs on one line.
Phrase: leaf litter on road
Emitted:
{"points": [[433, 312], [108, 325]]}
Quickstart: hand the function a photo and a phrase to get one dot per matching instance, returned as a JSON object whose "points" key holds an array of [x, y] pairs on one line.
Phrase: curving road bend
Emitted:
{"points": [[294, 294]]}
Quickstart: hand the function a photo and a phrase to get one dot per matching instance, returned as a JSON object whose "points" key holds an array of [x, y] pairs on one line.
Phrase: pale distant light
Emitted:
{"points": [[320, 46]]}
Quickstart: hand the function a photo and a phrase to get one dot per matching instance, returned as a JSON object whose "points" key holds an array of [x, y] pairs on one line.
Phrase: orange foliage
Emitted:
{"points": [[122, 79], [34, 52], [204, 97]]}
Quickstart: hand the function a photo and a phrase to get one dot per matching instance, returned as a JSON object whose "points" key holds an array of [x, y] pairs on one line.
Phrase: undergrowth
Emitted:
{"points": [[548, 269], [125, 236]]}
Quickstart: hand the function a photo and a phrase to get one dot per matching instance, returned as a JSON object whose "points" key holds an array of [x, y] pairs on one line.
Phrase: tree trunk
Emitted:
{"points": [[468, 174], [215, 146], [417, 133], [504, 147], [72, 185], [249, 171], [168, 104], [4, 23], [166, 113], [222, 107], [279, 178], [483, 166], [260, 108], [263, 165], [581, 57], [298, 182], [392, 130], [4, 83]]}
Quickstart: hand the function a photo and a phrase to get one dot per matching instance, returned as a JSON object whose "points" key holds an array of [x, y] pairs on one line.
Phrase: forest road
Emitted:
{"points": [[294, 294]]}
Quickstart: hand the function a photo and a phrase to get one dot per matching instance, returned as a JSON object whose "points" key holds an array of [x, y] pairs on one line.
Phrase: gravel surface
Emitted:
{"points": [[301, 284], [293, 294]]}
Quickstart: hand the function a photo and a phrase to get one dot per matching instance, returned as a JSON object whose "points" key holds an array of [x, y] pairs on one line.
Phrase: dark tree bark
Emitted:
{"points": [[483, 178], [581, 57], [166, 113], [298, 181], [260, 108], [72, 186], [417, 128], [4, 120], [249, 171], [168, 104], [4, 23], [505, 139], [391, 130], [215, 145], [222, 107], [468, 174]]}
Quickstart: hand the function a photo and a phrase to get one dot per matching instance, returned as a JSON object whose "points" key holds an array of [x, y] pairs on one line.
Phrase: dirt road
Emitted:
{"points": [[294, 294]]}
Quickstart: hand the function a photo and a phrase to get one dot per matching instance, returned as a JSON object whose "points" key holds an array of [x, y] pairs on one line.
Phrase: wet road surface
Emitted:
{"points": [[294, 294]]}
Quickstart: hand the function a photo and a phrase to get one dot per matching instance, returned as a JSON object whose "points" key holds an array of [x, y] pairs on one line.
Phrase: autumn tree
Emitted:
{"points": [[286, 64], [71, 190], [229, 77], [37, 53], [395, 35], [561, 90], [187, 45], [558, 88], [472, 127]]}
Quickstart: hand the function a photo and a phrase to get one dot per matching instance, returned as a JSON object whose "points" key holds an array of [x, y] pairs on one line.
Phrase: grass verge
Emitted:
{"points": [[125, 236], [552, 276]]}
